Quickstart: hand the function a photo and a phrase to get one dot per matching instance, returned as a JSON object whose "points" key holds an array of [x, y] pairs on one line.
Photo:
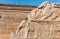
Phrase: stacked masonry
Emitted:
{"points": [[11, 16], [42, 23]]}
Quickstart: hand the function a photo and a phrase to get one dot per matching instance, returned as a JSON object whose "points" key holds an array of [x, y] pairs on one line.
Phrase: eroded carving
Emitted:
{"points": [[45, 19]]}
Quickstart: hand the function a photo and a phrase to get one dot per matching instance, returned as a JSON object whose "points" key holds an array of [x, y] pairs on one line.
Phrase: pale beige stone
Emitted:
{"points": [[42, 23]]}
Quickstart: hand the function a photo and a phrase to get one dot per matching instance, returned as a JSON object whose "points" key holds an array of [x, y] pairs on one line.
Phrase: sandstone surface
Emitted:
{"points": [[11, 16], [43, 23]]}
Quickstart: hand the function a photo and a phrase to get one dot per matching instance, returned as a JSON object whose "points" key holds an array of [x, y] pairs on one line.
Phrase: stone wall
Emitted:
{"points": [[39, 30], [11, 16], [43, 23]]}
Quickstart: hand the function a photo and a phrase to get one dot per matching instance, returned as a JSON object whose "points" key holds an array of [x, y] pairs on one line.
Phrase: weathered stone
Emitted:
{"points": [[42, 23]]}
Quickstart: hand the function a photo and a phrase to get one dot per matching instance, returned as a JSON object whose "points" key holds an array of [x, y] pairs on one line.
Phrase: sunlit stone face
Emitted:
{"points": [[42, 23]]}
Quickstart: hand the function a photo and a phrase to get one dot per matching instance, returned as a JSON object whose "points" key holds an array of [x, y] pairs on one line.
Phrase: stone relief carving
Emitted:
{"points": [[42, 28]]}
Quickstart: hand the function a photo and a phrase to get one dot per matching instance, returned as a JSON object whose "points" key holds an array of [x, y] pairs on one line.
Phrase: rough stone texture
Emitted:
{"points": [[11, 16], [42, 23]]}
